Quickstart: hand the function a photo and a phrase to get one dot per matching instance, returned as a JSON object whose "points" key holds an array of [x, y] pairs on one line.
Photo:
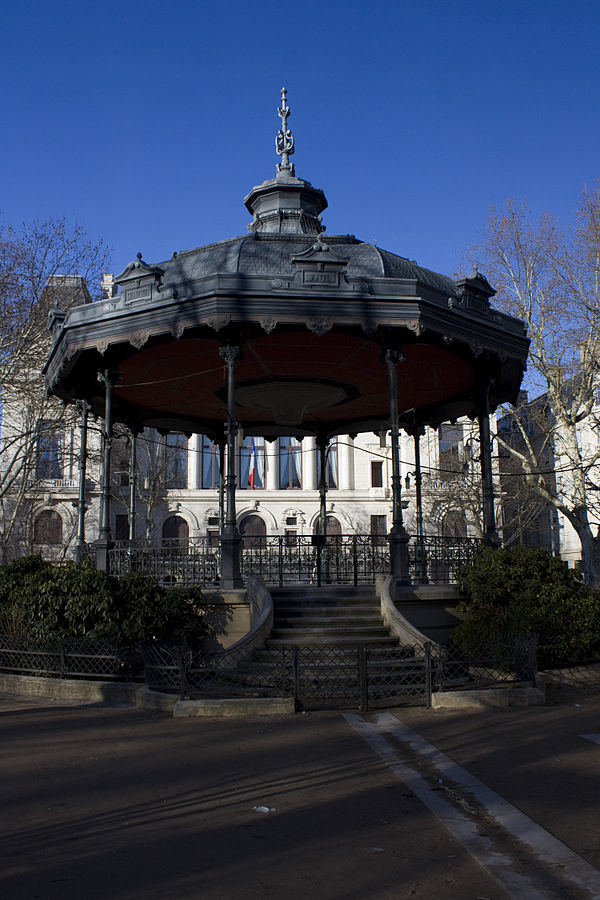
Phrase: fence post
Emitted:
{"points": [[284, 680], [319, 562], [280, 557], [355, 560], [428, 674], [363, 678], [296, 676], [62, 660], [182, 672], [533, 642]]}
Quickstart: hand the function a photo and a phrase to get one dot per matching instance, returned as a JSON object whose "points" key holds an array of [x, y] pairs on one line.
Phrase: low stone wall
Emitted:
{"points": [[69, 689], [229, 614], [393, 618], [85, 692]]}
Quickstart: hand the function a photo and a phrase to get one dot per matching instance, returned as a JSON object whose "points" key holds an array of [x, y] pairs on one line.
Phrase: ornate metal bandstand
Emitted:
{"points": [[284, 331]]}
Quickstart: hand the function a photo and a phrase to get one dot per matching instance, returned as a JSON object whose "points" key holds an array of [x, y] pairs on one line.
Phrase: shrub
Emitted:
{"points": [[47, 601], [528, 591]]}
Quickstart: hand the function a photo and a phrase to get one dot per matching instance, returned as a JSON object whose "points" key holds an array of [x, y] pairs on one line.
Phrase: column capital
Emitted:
{"points": [[230, 353], [107, 376], [393, 357]]}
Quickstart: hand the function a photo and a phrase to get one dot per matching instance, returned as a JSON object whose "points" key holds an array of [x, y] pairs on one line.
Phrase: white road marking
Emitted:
{"points": [[595, 738], [558, 858]]}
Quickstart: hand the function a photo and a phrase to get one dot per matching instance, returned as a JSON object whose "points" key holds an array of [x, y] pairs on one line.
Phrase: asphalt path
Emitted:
{"points": [[101, 802]]}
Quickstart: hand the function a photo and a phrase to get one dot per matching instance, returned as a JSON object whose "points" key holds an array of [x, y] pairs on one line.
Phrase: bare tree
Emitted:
{"points": [[158, 468], [42, 266], [551, 279]]}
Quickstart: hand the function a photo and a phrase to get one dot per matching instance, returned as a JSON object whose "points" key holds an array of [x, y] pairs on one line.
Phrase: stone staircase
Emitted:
{"points": [[322, 627], [331, 614]]}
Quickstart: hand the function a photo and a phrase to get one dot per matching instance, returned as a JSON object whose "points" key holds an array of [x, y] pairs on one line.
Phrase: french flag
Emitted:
{"points": [[252, 466]]}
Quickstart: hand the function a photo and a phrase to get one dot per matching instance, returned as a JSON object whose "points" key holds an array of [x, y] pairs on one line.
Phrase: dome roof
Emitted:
{"points": [[272, 254], [304, 309]]}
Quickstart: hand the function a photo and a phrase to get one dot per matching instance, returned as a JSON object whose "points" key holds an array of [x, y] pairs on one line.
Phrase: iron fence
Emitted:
{"points": [[315, 677], [182, 561], [329, 675], [301, 559], [437, 559], [69, 657], [500, 659], [332, 675]]}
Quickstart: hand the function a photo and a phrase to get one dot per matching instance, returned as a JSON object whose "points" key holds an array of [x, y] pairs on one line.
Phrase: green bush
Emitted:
{"points": [[46, 601], [528, 591]]}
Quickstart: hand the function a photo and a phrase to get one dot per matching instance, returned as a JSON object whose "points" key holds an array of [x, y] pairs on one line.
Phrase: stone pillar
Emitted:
{"points": [[345, 462], [398, 536], [309, 467], [195, 470], [230, 540], [81, 507], [103, 544], [490, 534], [271, 465]]}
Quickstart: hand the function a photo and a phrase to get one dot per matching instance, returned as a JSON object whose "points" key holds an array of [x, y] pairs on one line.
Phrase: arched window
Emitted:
{"points": [[48, 528], [454, 524], [333, 529], [253, 531], [175, 528]]}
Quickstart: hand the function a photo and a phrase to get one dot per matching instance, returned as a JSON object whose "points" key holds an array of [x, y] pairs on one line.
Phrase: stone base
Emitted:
{"points": [[491, 697], [228, 612], [242, 706], [69, 689]]}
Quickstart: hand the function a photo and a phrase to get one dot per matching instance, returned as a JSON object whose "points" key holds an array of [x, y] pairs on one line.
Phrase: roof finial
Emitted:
{"points": [[284, 142]]}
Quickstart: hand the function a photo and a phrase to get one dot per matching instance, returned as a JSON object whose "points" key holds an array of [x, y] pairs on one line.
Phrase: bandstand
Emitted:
{"points": [[288, 332]]}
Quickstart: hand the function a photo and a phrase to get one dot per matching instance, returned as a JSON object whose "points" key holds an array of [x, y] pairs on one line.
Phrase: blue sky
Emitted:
{"points": [[149, 122]]}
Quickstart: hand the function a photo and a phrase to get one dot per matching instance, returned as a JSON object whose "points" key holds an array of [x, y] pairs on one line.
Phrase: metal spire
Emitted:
{"points": [[284, 142]]}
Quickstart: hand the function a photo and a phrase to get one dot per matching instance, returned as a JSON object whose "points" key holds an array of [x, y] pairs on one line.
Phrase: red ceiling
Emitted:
{"points": [[182, 378]]}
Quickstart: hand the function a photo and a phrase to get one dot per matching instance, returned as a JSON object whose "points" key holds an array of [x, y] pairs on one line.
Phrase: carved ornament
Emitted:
{"points": [[319, 326]]}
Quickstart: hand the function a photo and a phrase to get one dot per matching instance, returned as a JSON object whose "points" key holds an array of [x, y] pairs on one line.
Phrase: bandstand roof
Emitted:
{"points": [[312, 315]]}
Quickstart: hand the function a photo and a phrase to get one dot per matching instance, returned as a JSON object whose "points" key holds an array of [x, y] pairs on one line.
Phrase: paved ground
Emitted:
{"points": [[113, 803]]}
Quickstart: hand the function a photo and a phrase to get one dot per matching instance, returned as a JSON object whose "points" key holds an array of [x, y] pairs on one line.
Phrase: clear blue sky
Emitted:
{"points": [[149, 121]]}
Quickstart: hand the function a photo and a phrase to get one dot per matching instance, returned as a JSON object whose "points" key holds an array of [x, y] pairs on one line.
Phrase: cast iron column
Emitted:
{"points": [[221, 485], [231, 576], [104, 537], [398, 536], [132, 485], [322, 549], [81, 507], [421, 559], [490, 535]]}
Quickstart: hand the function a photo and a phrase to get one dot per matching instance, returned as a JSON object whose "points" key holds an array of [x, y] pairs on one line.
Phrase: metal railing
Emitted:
{"points": [[68, 657], [329, 675], [303, 559], [181, 561], [315, 677], [335, 675]]}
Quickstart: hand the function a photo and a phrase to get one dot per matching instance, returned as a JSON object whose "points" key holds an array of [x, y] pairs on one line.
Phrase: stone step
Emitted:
{"points": [[345, 616], [325, 601], [338, 641], [308, 595], [333, 626]]}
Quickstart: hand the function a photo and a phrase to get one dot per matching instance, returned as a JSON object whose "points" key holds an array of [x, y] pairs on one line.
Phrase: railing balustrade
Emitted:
{"points": [[304, 559]]}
